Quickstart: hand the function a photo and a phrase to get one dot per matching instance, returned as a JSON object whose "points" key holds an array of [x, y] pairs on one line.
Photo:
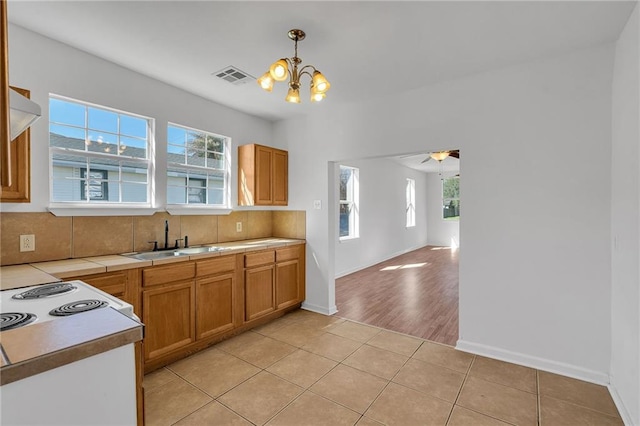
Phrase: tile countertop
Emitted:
{"points": [[17, 276], [40, 347]]}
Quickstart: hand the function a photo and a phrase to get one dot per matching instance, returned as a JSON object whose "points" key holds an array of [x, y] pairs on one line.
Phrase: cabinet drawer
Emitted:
{"points": [[166, 274], [215, 266], [113, 283], [288, 253], [261, 258]]}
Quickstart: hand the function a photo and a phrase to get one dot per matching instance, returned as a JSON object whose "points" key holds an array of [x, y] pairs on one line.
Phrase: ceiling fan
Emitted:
{"points": [[441, 155]]}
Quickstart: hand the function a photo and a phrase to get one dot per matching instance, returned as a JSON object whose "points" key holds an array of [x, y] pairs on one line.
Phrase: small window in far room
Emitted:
{"points": [[411, 203], [349, 198], [451, 198]]}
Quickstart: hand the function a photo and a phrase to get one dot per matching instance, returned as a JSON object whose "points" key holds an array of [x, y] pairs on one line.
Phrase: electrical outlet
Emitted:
{"points": [[27, 242], [238, 226], [317, 204]]}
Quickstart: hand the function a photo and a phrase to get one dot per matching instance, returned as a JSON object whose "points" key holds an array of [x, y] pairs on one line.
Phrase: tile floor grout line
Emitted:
{"points": [[464, 381]]}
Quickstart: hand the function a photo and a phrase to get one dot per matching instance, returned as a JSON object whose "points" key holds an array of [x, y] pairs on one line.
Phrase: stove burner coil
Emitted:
{"points": [[78, 307], [45, 291], [10, 320]]}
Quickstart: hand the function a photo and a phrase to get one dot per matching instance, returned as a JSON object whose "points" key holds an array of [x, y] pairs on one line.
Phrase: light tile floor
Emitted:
{"points": [[311, 369]]}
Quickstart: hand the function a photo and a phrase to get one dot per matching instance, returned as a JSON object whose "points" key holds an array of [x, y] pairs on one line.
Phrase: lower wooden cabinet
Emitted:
{"points": [[169, 316], [259, 297], [287, 283], [122, 284], [214, 305]]}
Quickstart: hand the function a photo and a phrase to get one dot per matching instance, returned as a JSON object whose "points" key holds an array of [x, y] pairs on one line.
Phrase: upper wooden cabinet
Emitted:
{"points": [[263, 176], [19, 191]]}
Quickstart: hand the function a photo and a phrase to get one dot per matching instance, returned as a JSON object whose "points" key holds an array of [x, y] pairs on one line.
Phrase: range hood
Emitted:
{"points": [[23, 111]]}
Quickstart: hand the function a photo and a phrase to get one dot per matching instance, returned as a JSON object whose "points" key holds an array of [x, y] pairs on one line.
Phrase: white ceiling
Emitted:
{"points": [[365, 49]]}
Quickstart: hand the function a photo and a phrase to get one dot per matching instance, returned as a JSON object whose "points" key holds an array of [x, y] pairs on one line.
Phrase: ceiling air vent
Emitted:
{"points": [[233, 75]]}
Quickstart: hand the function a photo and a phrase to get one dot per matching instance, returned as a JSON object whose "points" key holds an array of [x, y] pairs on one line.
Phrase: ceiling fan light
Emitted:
{"points": [[279, 70], [266, 82], [439, 156], [319, 82], [293, 96]]}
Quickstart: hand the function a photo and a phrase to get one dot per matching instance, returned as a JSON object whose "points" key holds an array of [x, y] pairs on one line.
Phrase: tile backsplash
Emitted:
{"points": [[80, 236]]}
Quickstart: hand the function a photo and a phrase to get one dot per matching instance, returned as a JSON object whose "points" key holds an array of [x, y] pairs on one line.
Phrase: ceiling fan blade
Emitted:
{"points": [[454, 154], [426, 159]]}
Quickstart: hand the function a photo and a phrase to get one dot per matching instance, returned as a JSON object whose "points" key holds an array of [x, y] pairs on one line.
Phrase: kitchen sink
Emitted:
{"points": [[155, 255], [198, 250]]}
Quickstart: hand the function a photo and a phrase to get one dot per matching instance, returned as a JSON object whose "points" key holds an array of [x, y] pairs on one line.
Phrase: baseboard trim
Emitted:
{"points": [[319, 309], [551, 366], [391, 256], [626, 417]]}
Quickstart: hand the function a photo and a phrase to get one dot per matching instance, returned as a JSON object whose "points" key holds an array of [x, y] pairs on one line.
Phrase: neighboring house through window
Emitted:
{"points": [[451, 198], [98, 154], [97, 180], [411, 202], [349, 198], [198, 167]]}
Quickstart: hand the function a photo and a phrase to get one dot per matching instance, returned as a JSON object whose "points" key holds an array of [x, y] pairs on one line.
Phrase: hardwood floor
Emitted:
{"points": [[415, 293]]}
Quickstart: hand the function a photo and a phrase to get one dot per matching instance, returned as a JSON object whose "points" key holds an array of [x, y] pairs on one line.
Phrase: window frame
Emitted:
{"points": [[91, 207], [410, 196], [446, 200], [352, 200], [187, 207]]}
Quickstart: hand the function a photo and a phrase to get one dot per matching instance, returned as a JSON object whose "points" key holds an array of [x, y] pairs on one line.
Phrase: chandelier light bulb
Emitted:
{"points": [[293, 96], [278, 70], [266, 82]]}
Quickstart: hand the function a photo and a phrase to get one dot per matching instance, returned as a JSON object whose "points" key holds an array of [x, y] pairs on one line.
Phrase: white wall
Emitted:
{"points": [[534, 284], [383, 231], [441, 232], [625, 223], [45, 66]]}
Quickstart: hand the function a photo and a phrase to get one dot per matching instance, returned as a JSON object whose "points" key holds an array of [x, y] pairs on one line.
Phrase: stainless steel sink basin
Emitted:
{"points": [[155, 255], [198, 250]]}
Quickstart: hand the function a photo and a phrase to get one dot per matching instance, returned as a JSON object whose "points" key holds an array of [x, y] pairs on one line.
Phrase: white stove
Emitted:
{"points": [[30, 305], [83, 392]]}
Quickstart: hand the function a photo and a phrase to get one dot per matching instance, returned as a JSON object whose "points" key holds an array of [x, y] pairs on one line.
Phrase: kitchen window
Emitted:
{"points": [[411, 203], [349, 198], [198, 167], [451, 198], [98, 155]]}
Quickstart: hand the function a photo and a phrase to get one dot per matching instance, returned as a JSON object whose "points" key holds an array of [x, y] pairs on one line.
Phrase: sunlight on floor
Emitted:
{"points": [[407, 266]]}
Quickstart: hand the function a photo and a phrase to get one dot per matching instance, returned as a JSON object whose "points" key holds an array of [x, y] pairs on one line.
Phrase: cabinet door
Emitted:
{"points": [[280, 177], [259, 291], [169, 316], [287, 286], [215, 303], [264, 171]]}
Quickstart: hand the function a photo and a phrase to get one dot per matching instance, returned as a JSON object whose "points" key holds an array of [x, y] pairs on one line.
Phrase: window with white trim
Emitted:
{"points": [[349, 199], [198, 167], [98, 155], [411, 203], [451, 198]]}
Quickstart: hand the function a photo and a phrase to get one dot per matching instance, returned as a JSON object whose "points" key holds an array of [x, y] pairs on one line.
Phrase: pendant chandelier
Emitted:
{"points": [[288, 67]]}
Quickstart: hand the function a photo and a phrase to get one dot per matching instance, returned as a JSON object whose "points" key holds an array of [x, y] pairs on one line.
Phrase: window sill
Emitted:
{"points": [[101, 210], [182, 210], [346, 239]]}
